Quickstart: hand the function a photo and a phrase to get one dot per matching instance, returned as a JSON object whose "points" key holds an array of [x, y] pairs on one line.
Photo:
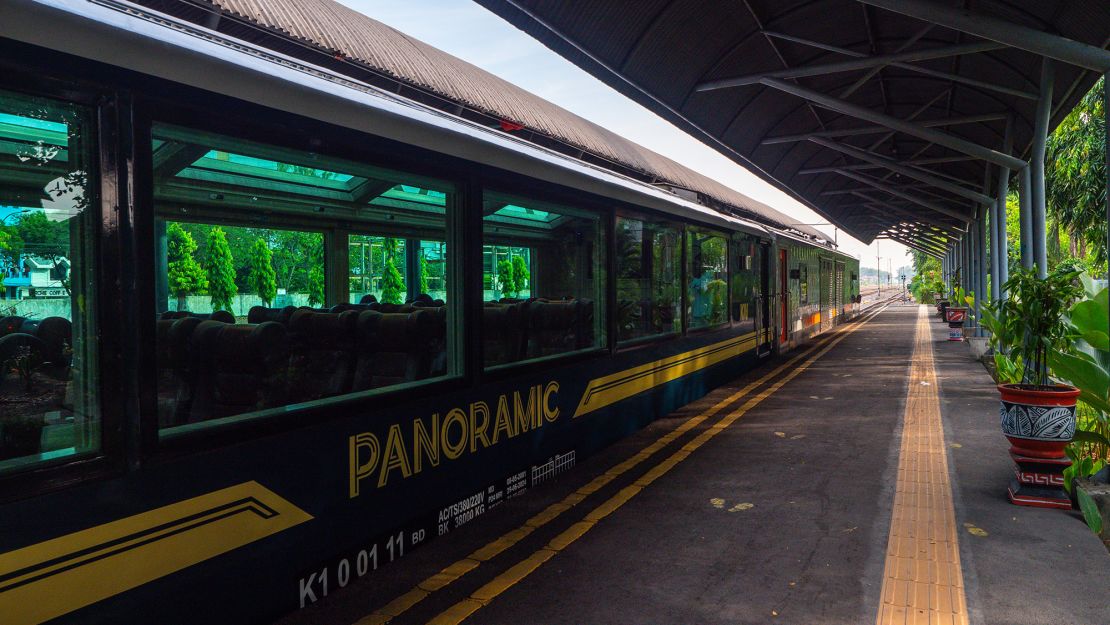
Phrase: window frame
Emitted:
{"points": [[111, 239], [686, 263], [556, 199], [270, 129], [679, 226]]}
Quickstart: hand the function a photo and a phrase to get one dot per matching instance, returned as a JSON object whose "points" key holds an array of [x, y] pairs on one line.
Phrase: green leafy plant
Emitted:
{"points": [[316, 285], [505, 279], [219, 267], [1086, 365], [23, 363], [185, 275], [423, 275], [521, 277], [393, 283], [1032, 322], [262, 277]]}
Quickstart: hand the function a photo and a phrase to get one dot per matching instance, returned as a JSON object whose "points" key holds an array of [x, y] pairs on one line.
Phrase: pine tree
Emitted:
{"points": [[220, 269], [185, 275], [505, 278], [393, 284], [423, 274], [316, 285], [262, 277], [520, 273]]}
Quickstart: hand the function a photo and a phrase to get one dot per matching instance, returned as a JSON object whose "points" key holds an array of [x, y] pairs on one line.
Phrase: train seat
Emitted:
{"points": [[322, 353], [553, 327], [218, 315], [392, 348], [503, 333], [238, 368], [261, 314]]}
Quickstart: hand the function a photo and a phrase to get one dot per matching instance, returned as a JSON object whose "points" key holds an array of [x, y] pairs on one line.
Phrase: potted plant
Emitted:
{"points": [[956, 315], [1037, 415]]}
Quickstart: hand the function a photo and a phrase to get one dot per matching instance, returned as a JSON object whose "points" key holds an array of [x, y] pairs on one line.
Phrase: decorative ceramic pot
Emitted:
{"points": [[1039, 421], [955, 317]]}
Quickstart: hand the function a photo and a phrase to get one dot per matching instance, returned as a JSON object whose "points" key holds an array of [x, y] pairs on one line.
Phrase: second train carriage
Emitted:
{"points": [[159, 447]]}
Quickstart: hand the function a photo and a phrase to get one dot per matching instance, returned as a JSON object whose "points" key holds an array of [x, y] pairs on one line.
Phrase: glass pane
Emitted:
{"points": [[649, 257], [249, 320], [707, 290], [541, 280], [49, 405], [745, 277]]}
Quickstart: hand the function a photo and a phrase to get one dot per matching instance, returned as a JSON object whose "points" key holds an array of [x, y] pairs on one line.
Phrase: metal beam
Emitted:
{"points": [[933, 136], [936, 160], [853, 65], [874, 130], [886, 188], [913, 244], [1018, 93], [1002, 31], [908, 172]]}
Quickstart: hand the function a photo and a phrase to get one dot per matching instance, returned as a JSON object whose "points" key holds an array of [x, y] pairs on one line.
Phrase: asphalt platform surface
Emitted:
{"points": [[781, 517]]}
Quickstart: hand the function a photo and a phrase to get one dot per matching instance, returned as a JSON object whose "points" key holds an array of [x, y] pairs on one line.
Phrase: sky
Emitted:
{"points": [[470, 32]]}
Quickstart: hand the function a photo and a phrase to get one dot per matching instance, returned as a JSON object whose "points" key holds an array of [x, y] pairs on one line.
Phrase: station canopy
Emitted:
{"points": [[888, 117]]}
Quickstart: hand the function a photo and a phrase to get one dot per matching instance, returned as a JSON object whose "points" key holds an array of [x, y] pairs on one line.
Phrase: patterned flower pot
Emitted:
{"points": [[955, 318], [1039, 421]]}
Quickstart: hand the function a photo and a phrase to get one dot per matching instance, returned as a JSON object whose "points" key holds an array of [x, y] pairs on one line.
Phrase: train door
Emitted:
{"points": [[826, 294], [784, 297], [763, 326], [839, 286]]}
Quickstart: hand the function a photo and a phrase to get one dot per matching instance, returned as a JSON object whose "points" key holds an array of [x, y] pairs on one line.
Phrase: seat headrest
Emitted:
{"points": [[324, 327], [368, 299], [394, 332]]}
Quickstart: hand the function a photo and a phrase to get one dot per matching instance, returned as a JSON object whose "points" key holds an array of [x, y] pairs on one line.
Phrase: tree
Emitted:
{"points": [[393, 284], [261, 277], [185, 275], [1075, 175], [316, 285], [219, 266], [520, 273], [505, 278], [423, 274]]}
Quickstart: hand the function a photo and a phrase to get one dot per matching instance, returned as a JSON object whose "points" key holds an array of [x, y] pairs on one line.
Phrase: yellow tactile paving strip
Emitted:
{"points": [[922, 581]]}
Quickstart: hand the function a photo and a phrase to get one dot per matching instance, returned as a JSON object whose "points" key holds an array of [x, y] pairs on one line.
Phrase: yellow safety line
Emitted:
{"points": [[487, 593], [922, 580], [456, 570]]}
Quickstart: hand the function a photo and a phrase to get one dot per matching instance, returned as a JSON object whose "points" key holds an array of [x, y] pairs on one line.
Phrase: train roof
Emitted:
{"points": [[324, 31]]}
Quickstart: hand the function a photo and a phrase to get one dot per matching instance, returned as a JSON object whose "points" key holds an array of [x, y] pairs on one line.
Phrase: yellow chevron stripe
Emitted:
{"points": [[612, 388], [55, 577]]}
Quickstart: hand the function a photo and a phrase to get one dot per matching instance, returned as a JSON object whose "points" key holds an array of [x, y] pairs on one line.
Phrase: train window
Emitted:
{"points": [[252, 319], [745, 288], [649, 266], [707, 278], [545, 266], [49, 405]]}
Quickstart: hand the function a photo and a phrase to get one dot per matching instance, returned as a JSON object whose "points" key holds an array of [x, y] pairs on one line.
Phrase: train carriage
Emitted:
{"points": [[478, 313]]}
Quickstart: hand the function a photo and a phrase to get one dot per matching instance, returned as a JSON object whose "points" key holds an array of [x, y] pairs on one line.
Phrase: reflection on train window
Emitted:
{"points": [[707, 272], [803, 284], [744, 279], [544, 290], [649, 264], [251, 318], [49, 406]]}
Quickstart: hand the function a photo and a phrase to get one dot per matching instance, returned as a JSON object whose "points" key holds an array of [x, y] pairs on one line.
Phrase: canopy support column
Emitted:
{"points": [[1036, 163], [1026, 217], [999, 244]]}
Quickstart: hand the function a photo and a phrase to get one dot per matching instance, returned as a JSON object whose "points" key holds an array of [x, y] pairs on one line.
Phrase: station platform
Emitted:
{"points": [[859, 479]]}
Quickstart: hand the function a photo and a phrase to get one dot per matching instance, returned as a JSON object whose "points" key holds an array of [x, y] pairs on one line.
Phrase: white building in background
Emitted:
{"points": [[34, 277]]}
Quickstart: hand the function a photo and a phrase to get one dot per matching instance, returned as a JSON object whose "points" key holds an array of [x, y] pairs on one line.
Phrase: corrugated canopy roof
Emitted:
{"points": [[328, 33], [886, 116]]}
